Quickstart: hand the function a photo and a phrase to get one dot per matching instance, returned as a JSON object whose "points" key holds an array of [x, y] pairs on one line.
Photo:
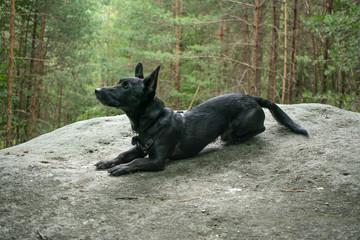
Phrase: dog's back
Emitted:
{"points": [[235, 117]]}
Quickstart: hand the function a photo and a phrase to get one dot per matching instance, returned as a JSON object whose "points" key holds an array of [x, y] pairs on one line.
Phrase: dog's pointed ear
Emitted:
{"points": [[150, 82], [139, 71]]}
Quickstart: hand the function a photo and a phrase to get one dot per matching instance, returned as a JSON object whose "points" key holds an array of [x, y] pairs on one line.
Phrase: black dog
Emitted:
{"points": [[165, 134]]}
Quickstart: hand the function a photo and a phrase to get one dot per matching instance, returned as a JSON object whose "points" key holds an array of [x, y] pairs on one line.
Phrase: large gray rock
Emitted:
{"points": [[278, 185]]}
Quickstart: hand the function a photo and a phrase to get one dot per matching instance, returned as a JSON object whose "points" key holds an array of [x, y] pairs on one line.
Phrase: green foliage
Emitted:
{"points": [[343, 28], [98, 111], [91, 44], [348, 101], [69, 32]]}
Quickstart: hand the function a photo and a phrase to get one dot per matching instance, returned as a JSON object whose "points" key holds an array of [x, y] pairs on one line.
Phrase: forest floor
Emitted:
{"points": [[278, 185]]}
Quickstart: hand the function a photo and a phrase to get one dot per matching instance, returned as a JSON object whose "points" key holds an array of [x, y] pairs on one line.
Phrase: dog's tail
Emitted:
{"points": [[280, 116]]}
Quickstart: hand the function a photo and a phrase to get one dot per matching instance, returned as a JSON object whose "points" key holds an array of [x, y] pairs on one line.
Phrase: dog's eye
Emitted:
{"points": [[125, 86]]}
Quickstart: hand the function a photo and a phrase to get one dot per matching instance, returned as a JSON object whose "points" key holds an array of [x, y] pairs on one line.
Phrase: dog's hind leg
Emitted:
{"points": [[244, 125], [248, 135]]}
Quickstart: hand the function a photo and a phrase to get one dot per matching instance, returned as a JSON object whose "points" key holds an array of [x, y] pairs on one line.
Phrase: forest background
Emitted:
{"points": [[54, 53]]}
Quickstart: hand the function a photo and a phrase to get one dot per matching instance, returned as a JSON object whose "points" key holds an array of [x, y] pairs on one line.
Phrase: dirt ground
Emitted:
{"points": [[278, 185]]}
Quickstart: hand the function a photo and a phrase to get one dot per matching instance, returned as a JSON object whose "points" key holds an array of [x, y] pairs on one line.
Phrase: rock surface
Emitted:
{"points": [[278, 185]]}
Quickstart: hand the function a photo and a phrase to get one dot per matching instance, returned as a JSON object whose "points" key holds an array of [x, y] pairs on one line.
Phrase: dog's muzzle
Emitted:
{"points": [[98, 91], [101, 96]]}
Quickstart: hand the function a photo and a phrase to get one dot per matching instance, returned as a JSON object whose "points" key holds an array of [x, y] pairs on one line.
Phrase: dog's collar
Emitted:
{"points": [[145, 147]]}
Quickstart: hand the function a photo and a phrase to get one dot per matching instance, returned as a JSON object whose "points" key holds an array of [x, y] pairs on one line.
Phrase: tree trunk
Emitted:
{"points": [[301, 88], [107, 53], [293, 55], [60, 104], [32, 73], [21, 78], [22, 94], [341, 77], [40, 83], [285, 54], [314, 51], [246, 56], [259, 18], [10, 76], [178, 33], [255, 85], [227, 51], [274, 52], [299, 83], [32, 123], [221, 39], [326, 55], [315, 57]]}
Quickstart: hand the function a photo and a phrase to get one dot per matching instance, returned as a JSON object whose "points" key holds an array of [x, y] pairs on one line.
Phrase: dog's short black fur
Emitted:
{"points": [[164, 134]]}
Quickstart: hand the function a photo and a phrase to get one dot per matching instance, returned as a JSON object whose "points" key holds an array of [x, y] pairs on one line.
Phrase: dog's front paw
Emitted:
{"points": [[105, 164], [120, 170]]}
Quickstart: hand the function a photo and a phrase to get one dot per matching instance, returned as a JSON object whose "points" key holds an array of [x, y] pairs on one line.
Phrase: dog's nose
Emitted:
{"points": [[98, 90]]}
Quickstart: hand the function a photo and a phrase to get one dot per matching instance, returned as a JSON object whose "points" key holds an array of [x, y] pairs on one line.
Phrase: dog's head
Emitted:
{"points": [[131, 92]]}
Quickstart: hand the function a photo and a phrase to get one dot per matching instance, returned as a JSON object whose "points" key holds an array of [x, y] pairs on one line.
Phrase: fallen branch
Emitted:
{"points": [[127, 198], [216, 236], [40, 236], [276, 175], [290, 190], [189, 199]]}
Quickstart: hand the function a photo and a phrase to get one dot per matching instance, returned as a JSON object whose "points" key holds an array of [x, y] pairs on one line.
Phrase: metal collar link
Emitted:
{"points": [[148, 143], [144, 147]]}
